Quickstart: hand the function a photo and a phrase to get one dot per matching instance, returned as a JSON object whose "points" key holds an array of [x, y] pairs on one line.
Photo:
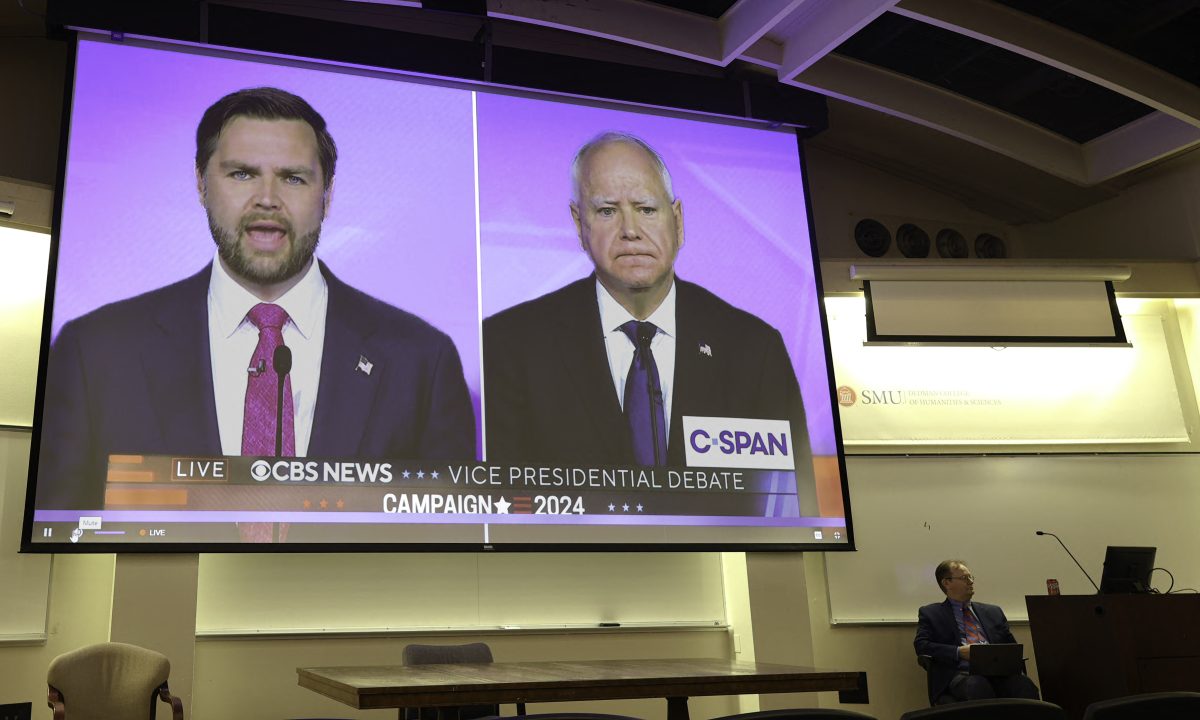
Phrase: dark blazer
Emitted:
{"points": [[937, 637], [550, 397], [134, 377]]}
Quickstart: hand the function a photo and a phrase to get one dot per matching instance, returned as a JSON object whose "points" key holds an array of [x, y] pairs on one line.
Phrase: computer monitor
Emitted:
{"points": [[1127, 569]]}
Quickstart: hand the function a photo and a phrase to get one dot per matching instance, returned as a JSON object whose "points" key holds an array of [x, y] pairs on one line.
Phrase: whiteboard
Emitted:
{"points": [[25, 578], [912, 512], [457, 591]]}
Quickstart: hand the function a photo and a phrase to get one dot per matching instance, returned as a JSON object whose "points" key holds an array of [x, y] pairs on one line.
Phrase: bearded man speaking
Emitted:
{"points": [[193, 368]]}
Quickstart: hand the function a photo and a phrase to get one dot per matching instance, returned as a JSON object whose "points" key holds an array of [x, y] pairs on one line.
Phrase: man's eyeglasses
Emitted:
{"points": [[968, 578]]}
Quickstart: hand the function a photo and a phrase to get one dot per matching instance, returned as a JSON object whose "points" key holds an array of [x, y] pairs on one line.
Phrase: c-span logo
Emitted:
{"points": [[738, 443]]}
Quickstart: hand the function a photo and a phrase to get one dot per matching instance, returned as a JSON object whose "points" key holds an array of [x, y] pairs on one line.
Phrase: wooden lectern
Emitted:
{"points": [[1096, 647]]}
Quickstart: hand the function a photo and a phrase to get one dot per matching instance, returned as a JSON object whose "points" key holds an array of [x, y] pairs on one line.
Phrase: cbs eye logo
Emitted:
{"points": [[846, 396], [260, 470]]}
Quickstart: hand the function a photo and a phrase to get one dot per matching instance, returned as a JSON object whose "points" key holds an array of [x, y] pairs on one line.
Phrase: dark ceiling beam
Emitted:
{"points": [[374, 35], [1057, 47], [1176, 101]]}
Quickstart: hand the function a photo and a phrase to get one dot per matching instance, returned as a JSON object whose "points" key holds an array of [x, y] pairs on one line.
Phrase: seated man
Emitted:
{"points": [[947, 630]]}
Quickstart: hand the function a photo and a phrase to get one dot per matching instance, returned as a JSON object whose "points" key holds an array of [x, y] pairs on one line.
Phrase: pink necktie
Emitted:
{"points": [[262, 387], [258, 420]]}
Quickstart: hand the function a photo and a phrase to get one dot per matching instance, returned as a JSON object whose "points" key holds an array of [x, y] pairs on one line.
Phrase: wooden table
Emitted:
{"points": [[398, 686]]}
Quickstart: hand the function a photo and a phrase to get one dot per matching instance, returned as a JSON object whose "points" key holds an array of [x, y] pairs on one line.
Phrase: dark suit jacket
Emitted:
{"points": [[134, 377], [550, 397], [937, 637]]}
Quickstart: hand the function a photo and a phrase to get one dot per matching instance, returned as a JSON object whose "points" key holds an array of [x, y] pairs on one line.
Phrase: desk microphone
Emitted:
{"points": [[1064, 547], [282, 364]]}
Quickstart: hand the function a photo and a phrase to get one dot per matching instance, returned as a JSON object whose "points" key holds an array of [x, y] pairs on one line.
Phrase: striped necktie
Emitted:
{"points": [[972, 631]]}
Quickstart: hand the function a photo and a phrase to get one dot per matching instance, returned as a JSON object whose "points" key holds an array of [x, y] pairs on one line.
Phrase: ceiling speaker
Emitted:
{"points": [[912, 241], [951, 243], [872, 237], [989, 246]]}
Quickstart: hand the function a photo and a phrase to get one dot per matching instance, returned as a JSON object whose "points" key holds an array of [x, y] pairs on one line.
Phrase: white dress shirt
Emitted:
{"points": [[232, 339], [621, 349]]}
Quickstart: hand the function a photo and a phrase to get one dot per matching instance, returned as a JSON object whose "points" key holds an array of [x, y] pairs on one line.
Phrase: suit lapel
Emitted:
{"points": [[580, 341], [696, 377], [178, 369], [987, 621], [948, 622], [345, 395]]}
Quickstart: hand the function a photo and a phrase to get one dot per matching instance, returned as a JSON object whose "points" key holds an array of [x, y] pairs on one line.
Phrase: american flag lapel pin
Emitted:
{"points": [[364, 365], [705, 349]]}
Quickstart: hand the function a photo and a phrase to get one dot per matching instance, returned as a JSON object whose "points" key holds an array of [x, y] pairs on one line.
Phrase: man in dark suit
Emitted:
{"points": [[190, 369], [565, 374], [946, 631]]}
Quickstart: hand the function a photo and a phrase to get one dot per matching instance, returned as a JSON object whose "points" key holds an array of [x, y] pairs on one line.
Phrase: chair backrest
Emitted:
{"points": [[416, 654], [442, 654], [998, 709], [1152, 706], [109, 681], [574, 716], [801, 714]]}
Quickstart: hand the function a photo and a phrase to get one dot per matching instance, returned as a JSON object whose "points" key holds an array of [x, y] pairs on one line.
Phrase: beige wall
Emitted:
{"points": [[1158, 218]]}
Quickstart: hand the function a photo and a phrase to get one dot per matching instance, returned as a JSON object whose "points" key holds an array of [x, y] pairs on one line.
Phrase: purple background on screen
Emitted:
{"points": [[745, 222], [402, 222]]}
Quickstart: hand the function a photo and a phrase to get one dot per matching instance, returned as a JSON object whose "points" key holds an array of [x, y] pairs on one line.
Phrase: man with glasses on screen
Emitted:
{"points": [[947, 630], [602, 371], [193, 368]]}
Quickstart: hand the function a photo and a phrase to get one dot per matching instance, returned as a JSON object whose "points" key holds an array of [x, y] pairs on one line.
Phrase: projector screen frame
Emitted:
{"points": [[27, 544], [1117, 339]]}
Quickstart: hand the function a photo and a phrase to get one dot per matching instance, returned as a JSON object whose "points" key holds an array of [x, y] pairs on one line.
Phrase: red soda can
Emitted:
{"points": [[1052, 587]]}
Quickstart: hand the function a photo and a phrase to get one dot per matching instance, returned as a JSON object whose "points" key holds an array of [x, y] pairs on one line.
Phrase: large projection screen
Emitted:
{"points": [[446, 379]]}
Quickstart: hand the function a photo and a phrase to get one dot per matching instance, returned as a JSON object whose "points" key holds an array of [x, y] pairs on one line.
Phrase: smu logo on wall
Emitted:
{"points": [[738, 443], [847, 397]]}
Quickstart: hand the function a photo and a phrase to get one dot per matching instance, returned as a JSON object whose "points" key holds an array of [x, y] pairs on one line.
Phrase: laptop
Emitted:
{"points": [[997, 659]]}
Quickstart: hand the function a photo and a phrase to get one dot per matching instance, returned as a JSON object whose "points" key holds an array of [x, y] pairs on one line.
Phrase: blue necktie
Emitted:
{"points": [[644, 398]]}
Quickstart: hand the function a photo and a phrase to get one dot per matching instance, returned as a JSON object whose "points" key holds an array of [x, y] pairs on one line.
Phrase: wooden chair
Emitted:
{"points": [[110, 681]]}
